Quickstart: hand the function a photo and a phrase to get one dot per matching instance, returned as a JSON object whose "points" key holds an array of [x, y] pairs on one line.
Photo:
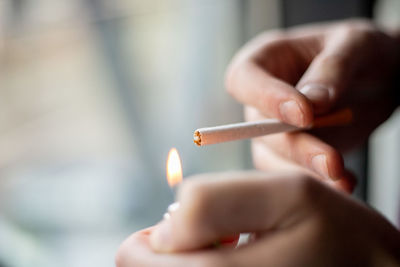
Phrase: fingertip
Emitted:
{"points": [[320, 95], [308, 112], [335, 164], [346, 184], [328, 164], [296, 112], [349, 182], [319, 157]]}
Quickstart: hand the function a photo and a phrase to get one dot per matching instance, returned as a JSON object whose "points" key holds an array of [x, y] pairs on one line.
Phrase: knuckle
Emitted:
{"points": [[363, 35], [353, 25], [252, 54], [235, 70], [359, 30], [229, 77], [359, 23]]}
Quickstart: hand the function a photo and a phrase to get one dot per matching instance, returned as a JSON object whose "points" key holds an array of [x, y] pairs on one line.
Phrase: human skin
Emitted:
{"points": [[304, 72], [292, 75], [295, 221]]}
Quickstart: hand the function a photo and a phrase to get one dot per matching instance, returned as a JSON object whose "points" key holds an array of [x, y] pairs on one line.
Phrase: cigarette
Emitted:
{"points": [[246, 130]]}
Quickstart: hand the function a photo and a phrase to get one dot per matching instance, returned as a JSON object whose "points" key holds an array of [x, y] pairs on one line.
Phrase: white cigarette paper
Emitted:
{"points": [[243, 130]]}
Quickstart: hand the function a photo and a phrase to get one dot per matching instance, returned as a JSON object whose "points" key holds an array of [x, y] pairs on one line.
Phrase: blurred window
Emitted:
{"points": [[93, 94]]}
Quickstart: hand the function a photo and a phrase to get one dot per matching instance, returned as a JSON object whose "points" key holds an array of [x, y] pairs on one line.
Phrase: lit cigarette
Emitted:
{"points": [[245, 130]]}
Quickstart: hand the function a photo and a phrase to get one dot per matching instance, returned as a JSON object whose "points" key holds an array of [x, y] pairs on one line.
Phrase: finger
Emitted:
{"points": [[304, 149], [252, 85], [266, 160], [136, 251], [284, 247], [346, 184], [331, 71], [308, 151], [220, 205]]}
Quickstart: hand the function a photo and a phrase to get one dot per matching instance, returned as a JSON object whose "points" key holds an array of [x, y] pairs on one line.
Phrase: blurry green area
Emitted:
{"points": [[93, 94]]}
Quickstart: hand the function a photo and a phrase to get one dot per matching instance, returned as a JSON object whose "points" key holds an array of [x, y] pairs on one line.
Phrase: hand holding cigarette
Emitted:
{"points": [[293, 76], [300, 75]]}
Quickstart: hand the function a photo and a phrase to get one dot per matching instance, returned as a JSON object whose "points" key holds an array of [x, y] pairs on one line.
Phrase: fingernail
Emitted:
{"points": [[320, 166], [291, 113], [319, 94], [160, 239]]}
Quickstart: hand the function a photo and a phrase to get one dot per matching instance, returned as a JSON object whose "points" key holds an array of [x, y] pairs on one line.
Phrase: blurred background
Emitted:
{"points": [[93, 94]]}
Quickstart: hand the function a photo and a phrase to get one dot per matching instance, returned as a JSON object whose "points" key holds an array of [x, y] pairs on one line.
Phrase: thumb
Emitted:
{"points": [[216, 206], [329, 74]]}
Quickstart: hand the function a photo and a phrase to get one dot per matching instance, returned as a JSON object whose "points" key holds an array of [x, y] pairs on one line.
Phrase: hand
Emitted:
{"points": [[304, 72], [294, 220]]}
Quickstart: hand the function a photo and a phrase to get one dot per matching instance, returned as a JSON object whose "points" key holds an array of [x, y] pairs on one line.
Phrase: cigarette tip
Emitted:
{"points": [[197, 138]]}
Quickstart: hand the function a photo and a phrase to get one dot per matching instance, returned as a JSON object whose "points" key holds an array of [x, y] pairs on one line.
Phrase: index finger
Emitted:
{"points": [[250, 84]]}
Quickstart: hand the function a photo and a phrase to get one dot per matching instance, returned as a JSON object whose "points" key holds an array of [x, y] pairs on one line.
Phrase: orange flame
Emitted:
{"points": [[174, 168]]}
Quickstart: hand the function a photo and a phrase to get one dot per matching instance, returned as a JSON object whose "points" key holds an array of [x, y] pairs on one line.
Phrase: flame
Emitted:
{"points": [[174, 168]]}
